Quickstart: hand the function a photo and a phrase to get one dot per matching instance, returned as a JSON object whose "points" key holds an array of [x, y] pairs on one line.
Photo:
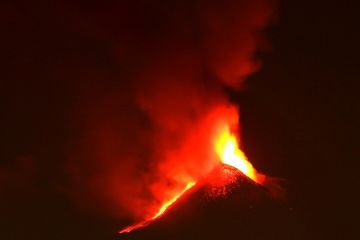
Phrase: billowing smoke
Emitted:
{"points": [[149, 131]]}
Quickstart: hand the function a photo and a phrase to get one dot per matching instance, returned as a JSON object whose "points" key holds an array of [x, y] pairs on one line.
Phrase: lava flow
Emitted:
{"points": [[228, 152], [160, 212]]}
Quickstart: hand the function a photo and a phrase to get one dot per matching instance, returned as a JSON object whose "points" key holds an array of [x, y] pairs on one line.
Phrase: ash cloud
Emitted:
{"points": [[149, 134], [140, 120]]}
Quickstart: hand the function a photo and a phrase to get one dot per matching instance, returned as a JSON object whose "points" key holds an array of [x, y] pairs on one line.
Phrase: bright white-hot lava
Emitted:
{"points": [[227, 148]]}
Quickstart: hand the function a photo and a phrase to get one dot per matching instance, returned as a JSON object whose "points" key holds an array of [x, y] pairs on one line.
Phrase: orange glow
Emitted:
{"points": [[165, 206], [226, 147]]}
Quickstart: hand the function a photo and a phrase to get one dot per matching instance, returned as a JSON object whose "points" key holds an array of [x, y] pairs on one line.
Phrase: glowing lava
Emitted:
{"points": [[160, 212], [226, 147], [228, 152]]}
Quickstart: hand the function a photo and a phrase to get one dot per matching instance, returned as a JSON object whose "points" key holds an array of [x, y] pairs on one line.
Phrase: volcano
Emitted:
{"points": [[236, 211], [229, 160]]}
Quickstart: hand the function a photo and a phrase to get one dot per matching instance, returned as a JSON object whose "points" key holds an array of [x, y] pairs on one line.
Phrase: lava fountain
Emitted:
{"points": [[228, 151]]}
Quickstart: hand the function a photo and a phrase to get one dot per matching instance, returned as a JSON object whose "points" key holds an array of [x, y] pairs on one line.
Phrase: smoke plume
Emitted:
{"points": [[148, 131]]}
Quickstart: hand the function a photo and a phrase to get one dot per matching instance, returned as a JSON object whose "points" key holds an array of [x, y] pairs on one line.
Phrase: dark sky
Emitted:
{"points": [[299, 117]]}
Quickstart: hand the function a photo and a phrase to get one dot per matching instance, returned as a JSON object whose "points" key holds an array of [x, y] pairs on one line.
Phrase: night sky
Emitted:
{"points": [[299, 116]]}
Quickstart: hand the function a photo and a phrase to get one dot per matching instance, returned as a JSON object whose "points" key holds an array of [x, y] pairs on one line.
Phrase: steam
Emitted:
{"points": [[148, 134]]}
